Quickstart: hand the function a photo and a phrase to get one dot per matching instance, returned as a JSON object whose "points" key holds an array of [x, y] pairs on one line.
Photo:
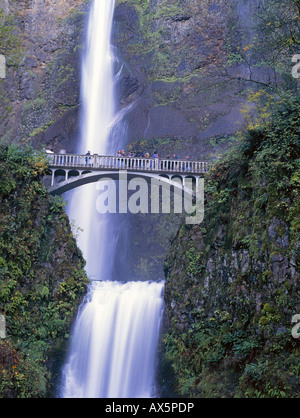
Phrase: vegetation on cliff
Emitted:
{"points": [[40, 94], [42, 278], [233, 281], [10, 43]]}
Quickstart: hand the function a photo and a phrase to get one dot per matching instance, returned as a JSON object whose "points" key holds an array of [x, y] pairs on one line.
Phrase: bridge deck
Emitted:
{"points": [[96, 162]]}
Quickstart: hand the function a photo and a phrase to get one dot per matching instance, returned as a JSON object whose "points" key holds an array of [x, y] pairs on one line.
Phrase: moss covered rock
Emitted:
{"points": [[232, 282], [42, 277]]}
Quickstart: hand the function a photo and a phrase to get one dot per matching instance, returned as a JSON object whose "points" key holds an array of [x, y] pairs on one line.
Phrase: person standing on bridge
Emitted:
{"points": [[119, 155], [87, 158], [175, 163], [147, 162]]}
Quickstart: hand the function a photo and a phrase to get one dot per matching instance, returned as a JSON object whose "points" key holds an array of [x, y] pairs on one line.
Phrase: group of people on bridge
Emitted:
{"points": [[123, 154], [135, 161], [145, 155]]}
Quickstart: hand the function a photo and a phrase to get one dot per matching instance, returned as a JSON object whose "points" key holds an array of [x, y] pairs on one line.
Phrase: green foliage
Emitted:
{"points": [[152, 45], [194, 261], [42, 278], [270, 44], [10, 42], [230, 328]]}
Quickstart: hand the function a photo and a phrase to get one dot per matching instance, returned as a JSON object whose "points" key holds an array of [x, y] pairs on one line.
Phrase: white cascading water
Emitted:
{"points": [[113, 346], [97, 114], [113, 350]]}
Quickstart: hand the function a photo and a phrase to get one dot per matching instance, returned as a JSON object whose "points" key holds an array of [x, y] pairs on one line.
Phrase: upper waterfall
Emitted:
{"points": [[97, 92], [96, 122]]}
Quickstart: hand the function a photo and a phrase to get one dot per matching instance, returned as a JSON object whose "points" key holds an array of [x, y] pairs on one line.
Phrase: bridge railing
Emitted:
{"points": [[134, 163]]}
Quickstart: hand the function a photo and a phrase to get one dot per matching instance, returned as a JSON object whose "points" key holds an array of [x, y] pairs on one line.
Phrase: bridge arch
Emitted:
{"points": [[73, 173], [60, 173], [87, 177]]}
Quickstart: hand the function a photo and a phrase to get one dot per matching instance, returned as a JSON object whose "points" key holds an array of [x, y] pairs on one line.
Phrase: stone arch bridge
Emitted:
{"points": [[69, 171]]}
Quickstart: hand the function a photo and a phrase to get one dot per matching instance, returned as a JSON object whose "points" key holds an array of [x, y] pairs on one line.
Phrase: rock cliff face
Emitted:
{"points": [[174, 54], [233, 281], [41, 91], [185, 69], [184, 72], [188, 69]]}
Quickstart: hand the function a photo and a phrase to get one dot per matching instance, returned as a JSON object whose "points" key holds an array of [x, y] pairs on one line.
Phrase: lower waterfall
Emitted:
{"points": [[114, 343]]}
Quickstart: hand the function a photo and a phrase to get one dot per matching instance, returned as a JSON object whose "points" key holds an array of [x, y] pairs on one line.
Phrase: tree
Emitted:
{"points": [[264, 54]]}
